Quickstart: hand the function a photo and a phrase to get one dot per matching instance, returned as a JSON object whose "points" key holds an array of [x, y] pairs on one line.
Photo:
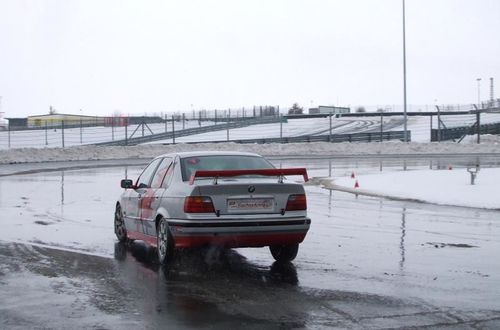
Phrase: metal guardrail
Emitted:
{"points": [[191, 131], [459, 132], [334, 138]]}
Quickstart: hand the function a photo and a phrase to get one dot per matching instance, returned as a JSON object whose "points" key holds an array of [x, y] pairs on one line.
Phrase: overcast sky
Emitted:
{"points": [[165, 56]]}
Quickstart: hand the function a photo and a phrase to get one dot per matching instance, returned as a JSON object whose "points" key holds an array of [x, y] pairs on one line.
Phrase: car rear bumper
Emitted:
{"points": [[239, 233]]}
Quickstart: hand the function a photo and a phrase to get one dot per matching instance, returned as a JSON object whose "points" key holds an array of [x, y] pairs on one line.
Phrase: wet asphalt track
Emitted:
{"points": [[366, 263]]}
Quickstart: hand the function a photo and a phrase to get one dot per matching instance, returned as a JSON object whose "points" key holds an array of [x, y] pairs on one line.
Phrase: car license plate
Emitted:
{"points": [[250, 204]]}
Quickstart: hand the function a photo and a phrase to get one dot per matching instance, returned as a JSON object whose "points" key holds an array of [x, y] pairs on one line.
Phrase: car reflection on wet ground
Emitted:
{"points": [[61, 289], [366, 263]]}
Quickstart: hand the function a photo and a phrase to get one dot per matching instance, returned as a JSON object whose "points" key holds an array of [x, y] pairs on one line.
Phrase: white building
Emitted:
{"points": [[329, 110]]}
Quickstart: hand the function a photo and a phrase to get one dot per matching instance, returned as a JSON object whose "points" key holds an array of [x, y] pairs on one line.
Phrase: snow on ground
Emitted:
{"points": [[489, 145], [53, 137], [418, 125], [296, 127], [444, 187]]}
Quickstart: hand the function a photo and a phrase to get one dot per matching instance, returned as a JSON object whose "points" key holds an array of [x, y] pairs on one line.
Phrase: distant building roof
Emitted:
{"points": [[62, 114]]}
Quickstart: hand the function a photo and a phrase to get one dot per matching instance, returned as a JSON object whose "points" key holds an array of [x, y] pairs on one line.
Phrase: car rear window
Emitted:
{"points": [[191, 164]]}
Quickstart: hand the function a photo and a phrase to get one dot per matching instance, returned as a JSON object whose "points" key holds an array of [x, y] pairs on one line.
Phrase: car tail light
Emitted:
{"points": [[198, 204], [296, 203]]}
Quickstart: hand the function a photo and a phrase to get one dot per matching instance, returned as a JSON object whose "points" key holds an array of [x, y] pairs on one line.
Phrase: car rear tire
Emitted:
{"points": [[164, 242], [120, 230], [284, 253]]}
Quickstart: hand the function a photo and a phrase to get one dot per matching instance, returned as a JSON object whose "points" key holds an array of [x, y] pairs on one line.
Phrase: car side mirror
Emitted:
{"points": [[126, 184]]}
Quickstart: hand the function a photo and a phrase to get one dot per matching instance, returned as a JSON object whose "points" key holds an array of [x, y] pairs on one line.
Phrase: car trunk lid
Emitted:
{"points": [[238, 196]]}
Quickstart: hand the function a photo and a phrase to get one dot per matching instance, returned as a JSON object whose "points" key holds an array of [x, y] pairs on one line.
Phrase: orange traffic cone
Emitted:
{"points": [[356, 185], [352, 175]]}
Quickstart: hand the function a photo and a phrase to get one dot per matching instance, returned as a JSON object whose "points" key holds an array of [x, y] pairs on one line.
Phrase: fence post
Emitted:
{"points": [[81, 132], [330, 131], [382, 126], [112, 129], [62, 132], [173, 130], [431, 129], [439, 123], [215, 116], [478, 123], [46, 134], [8, 133], [126, 132], [228, 114], [281, 128], [183, 121]]}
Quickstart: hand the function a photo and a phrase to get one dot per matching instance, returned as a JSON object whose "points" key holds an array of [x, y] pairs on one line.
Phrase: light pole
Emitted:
{"points": [[478, 92], [404, 74]]}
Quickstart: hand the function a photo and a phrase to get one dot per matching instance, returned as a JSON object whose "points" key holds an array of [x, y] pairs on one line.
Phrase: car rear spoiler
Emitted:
{"points": [[280, 173]]}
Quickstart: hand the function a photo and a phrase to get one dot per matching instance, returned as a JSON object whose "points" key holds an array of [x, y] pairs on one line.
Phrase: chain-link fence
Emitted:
{"points": [[466, 126], [236, 126]]}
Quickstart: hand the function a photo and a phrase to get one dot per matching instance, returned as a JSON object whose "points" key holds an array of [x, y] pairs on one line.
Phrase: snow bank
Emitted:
{"points": [[27, 155], [445, 187]]}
